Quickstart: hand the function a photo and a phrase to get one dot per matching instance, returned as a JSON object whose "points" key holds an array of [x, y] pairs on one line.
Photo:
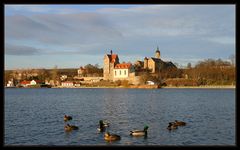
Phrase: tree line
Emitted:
{"points": [[206, 72], [53, 74]]}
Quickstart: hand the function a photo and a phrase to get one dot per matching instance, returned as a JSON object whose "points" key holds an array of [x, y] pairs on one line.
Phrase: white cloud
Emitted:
{"points": [[223, 40], [134, 31]]}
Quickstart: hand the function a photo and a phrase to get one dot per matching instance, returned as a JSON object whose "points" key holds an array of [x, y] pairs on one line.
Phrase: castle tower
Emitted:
{"points": [[110, 60], [145, 66], [157, 53]]}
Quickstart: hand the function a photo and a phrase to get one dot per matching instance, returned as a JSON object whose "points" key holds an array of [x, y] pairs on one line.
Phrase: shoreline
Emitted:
{"points": [[202, 87], [146, 87], [163, 87]]}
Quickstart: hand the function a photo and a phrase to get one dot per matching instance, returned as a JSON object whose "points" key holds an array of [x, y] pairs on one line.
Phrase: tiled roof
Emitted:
{"points": [[67, 82], [28, 82], [37, 81], [25, 82], [112, 57], [123, 66], [157, 60]]}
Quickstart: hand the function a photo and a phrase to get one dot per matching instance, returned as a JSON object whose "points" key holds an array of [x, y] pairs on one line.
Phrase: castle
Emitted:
{"points": [[156, 63], [113, 70]]}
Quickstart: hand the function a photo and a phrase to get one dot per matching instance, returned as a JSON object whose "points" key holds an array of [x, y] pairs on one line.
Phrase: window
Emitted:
{"points": [[120, 72], [125, 72], [115, 73]]}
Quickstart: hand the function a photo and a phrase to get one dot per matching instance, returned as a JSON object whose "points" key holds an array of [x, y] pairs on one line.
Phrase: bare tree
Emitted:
{"points": [[232, 59]]}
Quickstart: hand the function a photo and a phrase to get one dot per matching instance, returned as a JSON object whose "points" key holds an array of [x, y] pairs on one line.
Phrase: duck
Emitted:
{"points": [[111, 137], [67, 118], [172, 126], [69, 127], [180, 123], [139, 132], [102, 126], [106, 124]]}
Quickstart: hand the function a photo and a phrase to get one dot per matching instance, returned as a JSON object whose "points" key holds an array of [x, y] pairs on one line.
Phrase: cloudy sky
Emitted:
{"points": [[70, 36]]}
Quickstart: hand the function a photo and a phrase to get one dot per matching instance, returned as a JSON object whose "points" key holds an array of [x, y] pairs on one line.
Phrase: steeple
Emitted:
{"points": [[157, 49], [157, 53]]}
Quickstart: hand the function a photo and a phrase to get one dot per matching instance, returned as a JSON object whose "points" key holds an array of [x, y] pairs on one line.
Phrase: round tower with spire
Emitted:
{"points": [[157, 53]]}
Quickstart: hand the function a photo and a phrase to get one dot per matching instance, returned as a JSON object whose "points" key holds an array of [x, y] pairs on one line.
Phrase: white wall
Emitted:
{"points": [[120, 73]]}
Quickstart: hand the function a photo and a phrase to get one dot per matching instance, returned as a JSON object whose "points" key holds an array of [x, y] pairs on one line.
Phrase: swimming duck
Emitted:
{"points": [[111, 137], [67, 118], [179, 123], [70, 127], [101, 127], [106, 124], [172, 126], [139, 132]]}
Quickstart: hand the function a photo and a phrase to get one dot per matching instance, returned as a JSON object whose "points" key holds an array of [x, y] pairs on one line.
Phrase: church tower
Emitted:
{"points": [[157, 53]]}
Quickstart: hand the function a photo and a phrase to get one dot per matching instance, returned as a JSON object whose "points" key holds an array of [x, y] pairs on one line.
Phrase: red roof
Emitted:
{"points": [[67, 82], [37, 81], [25, 82], [113, 57], [123, 66], [28, 82]]}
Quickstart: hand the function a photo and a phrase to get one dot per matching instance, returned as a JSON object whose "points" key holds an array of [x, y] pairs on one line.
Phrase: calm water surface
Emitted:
{"points": [[35, 116]]}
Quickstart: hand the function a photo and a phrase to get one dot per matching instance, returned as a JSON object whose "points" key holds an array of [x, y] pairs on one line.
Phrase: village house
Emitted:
{"points": [[70, 84], [122, 71], [67, 84], [26, 83], [10, 83], [81, 72]]}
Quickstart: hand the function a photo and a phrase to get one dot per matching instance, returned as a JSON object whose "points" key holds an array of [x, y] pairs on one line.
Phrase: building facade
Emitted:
{"points": [[113, 70], [155, 64], [123, 71], [109, 62]]}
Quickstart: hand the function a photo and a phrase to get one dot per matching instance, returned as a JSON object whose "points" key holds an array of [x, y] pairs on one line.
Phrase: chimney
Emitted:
{"points": [[111, 52]]}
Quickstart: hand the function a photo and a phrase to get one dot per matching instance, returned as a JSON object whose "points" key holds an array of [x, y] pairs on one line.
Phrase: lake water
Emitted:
{"points": [[35, 116]]}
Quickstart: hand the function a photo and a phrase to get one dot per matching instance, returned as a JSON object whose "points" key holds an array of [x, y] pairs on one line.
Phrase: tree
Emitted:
{"points": [[232, 59], [189, 65], [93, 70], [144, 77], [55, 74]]}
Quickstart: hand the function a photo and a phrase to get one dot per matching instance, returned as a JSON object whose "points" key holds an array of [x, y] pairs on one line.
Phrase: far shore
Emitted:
{"points": [[151, 87], [204, 87]]}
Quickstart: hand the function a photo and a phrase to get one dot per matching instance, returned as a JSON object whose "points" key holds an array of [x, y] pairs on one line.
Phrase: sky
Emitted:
{"points": [[70, 36]]}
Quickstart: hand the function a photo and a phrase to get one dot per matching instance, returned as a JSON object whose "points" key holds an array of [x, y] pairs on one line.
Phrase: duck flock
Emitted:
{"points": [[114, 137]]}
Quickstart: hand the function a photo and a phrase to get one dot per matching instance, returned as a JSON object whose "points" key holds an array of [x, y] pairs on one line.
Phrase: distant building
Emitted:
{"points": [[113, 70], [67, 84], [63, 77], [110, 61], [26, 83], [81, 72], [35, 82], [156, 63], [10, 83], [123, 71]]}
